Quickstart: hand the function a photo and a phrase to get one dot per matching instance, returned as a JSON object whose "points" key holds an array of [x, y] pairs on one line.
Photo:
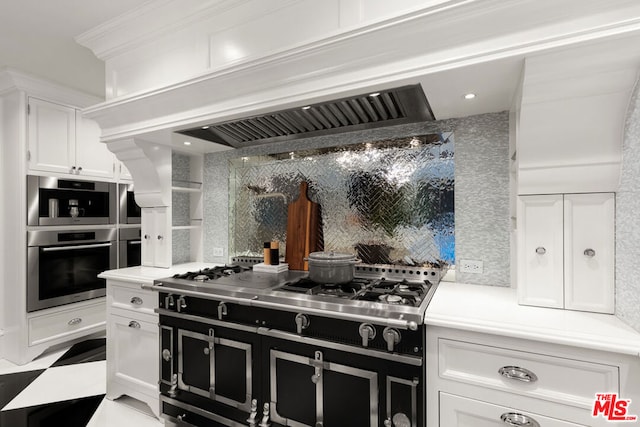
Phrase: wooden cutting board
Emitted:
{"points": [[303, 236]]}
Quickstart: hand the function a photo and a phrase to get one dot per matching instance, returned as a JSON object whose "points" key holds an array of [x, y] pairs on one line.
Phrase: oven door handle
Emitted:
{"points": [[69, 248], [134, 242]]}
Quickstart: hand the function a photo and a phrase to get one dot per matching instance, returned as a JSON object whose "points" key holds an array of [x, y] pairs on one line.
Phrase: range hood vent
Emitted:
{"points": [[403, 105]]}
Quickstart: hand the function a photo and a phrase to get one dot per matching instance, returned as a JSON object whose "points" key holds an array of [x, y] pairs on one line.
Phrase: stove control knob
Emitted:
{"points": [[302, 322], [222, 310], [367, 332], [181, 304], [168, 301], [391, 336]]}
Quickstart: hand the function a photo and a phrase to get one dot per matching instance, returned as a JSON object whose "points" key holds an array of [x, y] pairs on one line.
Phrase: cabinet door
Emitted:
{"points": [[156, 237], [93, 158], [589, 246], [133, 353], [51, 136], [540, 251], [463, 412]]}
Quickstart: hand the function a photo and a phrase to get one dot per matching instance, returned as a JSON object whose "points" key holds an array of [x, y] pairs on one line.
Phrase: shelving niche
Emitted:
{"points": [[186, 189]]}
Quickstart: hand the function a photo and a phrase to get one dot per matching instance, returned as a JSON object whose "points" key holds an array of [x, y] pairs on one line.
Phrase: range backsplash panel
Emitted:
{"points": [[386, 201]]}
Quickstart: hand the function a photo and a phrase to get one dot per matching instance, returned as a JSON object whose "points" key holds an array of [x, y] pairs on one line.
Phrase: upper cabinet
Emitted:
{"points": [[60, 140], [566, 246]]}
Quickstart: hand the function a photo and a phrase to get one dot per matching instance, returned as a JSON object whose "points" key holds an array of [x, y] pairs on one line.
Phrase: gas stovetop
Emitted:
{"points": [[394, 300]]}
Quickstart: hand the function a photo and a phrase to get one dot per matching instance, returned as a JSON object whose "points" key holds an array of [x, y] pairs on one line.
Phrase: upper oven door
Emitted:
{"points": [[63, 266], [130, 212], [58, 201]]}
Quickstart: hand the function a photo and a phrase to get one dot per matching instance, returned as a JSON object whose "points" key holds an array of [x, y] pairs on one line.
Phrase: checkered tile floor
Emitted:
{"points": [[64, 388]]}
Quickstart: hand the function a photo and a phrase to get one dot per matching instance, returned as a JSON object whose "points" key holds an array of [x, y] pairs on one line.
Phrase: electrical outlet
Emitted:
{"points": [[470, 266], [218, 252]]}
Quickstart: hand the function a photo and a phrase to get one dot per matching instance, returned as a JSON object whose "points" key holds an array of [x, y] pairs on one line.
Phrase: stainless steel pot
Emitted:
{"points": [[331, 267]]}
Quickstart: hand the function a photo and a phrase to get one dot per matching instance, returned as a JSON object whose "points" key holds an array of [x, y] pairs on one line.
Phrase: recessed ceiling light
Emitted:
{"points": [[306, 107], [374, 94], [204, 127], [469, 95], [187, 143]]}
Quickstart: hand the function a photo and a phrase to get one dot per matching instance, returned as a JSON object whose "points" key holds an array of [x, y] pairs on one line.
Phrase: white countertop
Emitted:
{"points": [[146, 275], [494, 310]]}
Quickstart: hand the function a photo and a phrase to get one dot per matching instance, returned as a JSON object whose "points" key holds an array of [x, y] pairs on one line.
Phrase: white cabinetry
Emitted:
{"points": [[566, 251], [66, 322], [132, 343], [156, 237], [462, 412], [478, 379], [60, 140]]}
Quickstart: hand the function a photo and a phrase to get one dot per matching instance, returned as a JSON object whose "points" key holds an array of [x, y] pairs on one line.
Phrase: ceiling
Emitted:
{"points": [[37, 37]]}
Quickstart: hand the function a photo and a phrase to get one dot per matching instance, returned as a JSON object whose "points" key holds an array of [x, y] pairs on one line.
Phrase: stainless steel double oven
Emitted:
{"points": [[71, 238]]}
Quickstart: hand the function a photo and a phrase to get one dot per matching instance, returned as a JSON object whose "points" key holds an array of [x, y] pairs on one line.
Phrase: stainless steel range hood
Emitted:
{"points": [[406, 104]]}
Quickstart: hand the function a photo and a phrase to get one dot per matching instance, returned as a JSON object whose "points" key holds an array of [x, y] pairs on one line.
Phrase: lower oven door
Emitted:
{"points": [[317, 383], [129, 247], [208, 366], [63, 266]]}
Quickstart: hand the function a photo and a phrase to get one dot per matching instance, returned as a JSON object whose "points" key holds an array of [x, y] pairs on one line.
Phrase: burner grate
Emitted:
{"points": [[211, 273]]}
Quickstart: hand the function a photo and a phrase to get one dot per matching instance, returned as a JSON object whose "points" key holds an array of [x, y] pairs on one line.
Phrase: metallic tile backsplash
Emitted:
{"points": [[482, 217], [627, 224], [388, 201]]}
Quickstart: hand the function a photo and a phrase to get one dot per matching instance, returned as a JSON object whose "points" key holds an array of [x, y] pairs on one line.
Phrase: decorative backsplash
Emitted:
{"points": [[387, 201]]}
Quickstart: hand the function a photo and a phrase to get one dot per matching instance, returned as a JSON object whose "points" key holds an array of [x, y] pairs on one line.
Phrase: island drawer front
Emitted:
{"points": [[52, 326], [463, 412], [133, 297], [557, 379]]}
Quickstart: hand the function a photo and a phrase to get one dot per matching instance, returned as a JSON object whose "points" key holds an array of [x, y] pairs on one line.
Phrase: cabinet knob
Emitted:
{"points": [[517, 373], [133, 324], [79, 168], [75, 321], [146, 237], [166, 355], [589, 253], [517, 420], [136, 300], [159, 237], [540, 250]]}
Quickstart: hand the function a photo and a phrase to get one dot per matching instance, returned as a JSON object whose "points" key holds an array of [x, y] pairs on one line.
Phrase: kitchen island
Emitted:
{"points": [[555, 361]]}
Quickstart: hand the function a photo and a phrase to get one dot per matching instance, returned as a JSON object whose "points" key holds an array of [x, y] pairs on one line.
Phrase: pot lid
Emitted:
{"points": [[331, 257]]}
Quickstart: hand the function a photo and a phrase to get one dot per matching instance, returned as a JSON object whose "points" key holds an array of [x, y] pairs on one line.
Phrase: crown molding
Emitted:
{"points": [[12, 79]]}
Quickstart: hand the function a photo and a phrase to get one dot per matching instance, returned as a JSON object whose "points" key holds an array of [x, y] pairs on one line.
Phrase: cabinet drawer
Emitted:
{"points": [[72, 321], [463, 412], [561, 380], [132, 297]]}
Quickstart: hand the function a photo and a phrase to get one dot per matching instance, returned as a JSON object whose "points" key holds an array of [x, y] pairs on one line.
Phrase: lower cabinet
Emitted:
{"points": [[66, 323], [462, 412], [132, 343], [477, 379]]}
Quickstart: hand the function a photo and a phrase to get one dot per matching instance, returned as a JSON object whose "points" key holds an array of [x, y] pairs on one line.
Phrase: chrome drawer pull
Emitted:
{"points": [[540, 250], [75, 321], [589, 253], [134, 324], [518, 420], [517, 373], [136, 300]]}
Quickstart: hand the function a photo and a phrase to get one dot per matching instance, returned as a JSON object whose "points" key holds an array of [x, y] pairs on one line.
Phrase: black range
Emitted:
{"points": [[245, 348]]}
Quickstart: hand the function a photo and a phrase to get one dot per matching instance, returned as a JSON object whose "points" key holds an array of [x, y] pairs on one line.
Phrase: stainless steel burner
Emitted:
{"points": [[201, 278]]}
